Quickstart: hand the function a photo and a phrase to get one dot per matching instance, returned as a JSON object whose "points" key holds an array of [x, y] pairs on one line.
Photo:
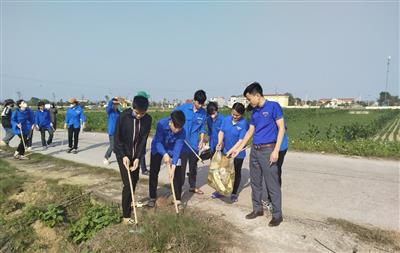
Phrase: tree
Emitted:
{"points": [[385, 99], [292, 100]]}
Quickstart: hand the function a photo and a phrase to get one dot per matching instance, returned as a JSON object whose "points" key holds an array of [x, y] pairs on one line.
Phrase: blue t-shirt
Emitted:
{"points": [[233, 132], [285, 142], [264, 120], [213, 129], [24, 117], [165, 141], [195, 124]]}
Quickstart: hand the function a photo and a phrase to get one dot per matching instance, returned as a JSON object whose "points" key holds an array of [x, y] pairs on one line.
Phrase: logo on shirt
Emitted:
{"points": [[238, 128], [265, 114]]}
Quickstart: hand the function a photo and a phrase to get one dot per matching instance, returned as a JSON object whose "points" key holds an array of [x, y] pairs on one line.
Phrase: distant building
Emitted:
{"points": [[335, 102], [219, 100], [282, 99], [237, 99]]}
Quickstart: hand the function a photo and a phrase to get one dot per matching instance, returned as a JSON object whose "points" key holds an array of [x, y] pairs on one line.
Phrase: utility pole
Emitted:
{"points": [[387, 80]]}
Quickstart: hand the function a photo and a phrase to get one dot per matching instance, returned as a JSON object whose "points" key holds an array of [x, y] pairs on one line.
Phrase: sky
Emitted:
{"points": [[312, 49]]}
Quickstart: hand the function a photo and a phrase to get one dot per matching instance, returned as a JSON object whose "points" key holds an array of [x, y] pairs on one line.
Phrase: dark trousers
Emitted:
{"points": [[261, 170], [21, 148], [126, 190], [110, 148], [192, 160], [179, 177], [237, 162], [279, 163], [43, 135], [73, 132], [28, 142], [143, 165]]}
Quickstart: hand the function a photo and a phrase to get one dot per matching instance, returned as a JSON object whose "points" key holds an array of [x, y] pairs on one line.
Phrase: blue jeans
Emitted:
{"points": [[9, 135]]}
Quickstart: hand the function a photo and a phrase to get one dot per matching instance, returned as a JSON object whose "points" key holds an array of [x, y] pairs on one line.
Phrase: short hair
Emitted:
{"points": [[239, 107], [200, 96], [41, 103], [178, 118], [19, 102], [212, 107], [253, 88], [140, 103], [9, 102]]}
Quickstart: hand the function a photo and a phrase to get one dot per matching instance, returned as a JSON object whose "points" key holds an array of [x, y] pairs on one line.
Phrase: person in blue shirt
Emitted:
{"points": [[22, 122], [43, 124], [74, 119], [195, 116], [267, 129], [230, 136], [214, 123], [113, 110], [166, 147]]}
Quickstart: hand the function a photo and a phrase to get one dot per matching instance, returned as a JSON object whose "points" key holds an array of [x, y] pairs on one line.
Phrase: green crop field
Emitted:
{"points": [[350, 132]]}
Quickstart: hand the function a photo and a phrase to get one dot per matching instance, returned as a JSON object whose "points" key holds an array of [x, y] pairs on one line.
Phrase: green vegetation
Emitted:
{"points": [[350, 132]]}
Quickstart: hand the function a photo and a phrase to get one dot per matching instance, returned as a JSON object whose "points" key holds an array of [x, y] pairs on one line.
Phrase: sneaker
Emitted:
{"points": [[22, 157], [29, 149], [45, 148], [275, 222], [128, 221], [75, 151], [106, 162], [16, 154], [69, 150], [146, 172], [216, 195], [254, 215], [151, 203], [234, 198]]}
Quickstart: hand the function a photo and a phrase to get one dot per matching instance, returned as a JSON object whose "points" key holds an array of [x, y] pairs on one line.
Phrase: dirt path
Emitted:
{"points": [[296, 234]]}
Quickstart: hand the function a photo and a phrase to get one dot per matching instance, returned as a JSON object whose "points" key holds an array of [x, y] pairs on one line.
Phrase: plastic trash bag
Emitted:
{"points": [[221, 174]]}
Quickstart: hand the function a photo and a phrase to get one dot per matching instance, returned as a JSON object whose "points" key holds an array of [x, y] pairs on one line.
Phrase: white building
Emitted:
{"points": [[220, 101], [237, 99]]}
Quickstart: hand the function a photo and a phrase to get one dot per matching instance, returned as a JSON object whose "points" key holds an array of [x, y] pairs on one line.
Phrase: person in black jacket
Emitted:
{"points": [[6, 121], [131, 132]]}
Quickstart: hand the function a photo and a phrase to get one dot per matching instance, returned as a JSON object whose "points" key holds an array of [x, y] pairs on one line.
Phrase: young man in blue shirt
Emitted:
{"points": [[74, 117], [166, 147], [214, 123], [267, 129], [43, 124], [113, 111], [195, 116]]}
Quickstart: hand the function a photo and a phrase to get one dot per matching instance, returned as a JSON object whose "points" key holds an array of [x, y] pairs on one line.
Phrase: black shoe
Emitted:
{"points": [[254, 215], [151, 203], [275, 222], [69, 150]]}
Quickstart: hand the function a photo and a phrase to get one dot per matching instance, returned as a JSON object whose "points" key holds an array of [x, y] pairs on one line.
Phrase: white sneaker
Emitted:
{"points": [[106, 162], [29, 149], [16, 155]]}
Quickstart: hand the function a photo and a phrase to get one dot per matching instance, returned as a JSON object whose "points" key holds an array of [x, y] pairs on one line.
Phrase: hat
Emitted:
{"points": [[73, 101]]}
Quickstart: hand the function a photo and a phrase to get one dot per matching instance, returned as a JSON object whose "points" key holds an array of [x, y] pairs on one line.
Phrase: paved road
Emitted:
{"points": [[316, 186]]}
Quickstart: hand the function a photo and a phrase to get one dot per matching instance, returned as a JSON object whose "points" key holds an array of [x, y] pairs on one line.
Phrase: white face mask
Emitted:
{"points": [[71, 105]]}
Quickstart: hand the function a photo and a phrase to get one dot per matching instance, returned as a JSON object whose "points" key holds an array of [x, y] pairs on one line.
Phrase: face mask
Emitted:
{"points": [[23, 106], [71, 105], [120, 108]]}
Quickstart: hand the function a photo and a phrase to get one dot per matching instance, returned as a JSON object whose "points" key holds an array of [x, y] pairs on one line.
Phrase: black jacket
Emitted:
{"points": [[123, 136], [6, 117]]}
